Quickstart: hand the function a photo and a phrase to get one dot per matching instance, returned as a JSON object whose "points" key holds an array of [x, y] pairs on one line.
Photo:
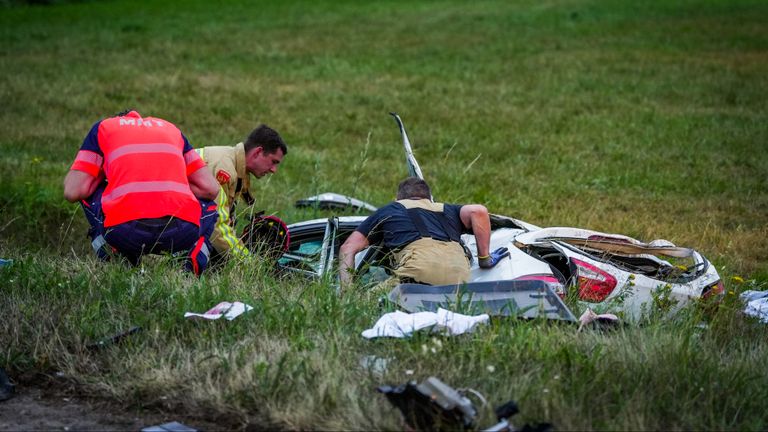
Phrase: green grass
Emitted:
{"points": [[295, 361], [641, 118]]}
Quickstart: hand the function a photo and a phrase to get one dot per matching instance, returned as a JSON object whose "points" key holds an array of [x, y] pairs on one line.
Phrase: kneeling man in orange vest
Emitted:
{"points": [[144, 190]]}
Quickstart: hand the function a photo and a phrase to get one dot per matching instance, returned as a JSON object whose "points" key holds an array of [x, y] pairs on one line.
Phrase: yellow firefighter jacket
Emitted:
{"points": [[227, 164]]}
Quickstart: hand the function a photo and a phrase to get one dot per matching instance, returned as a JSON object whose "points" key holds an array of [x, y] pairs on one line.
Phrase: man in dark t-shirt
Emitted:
{"points": [[423, 235]]}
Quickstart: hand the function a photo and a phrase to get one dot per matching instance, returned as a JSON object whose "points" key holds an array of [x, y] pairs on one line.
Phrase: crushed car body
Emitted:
{"points": [[605, 272]]}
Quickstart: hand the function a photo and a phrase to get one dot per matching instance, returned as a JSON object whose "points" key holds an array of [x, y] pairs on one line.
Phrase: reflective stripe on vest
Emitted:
{"points": [[191, 156], [89, 157], [142, 149], [88, 161], [98, 243], [150, 186]]}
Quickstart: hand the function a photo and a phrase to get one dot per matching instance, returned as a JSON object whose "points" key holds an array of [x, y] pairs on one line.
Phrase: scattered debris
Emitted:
{"points": [[5, 262], [227, 310], [332, 201], [436, 406], [431, 405], [400, 324], [511, 298], [590, 317], [112, 340], [267, 236], [169, 427], [756, 304], [375, 365], [7, 389]]}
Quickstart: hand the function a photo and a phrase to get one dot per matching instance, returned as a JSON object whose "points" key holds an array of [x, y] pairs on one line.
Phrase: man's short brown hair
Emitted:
{"points": [[267, 138], [413, 188]]}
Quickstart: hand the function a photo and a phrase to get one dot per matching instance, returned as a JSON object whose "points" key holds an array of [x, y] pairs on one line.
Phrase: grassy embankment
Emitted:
{"points": [[641, 119]]}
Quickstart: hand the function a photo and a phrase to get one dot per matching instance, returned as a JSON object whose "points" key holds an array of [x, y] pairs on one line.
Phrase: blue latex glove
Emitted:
{"points": [[491, 260]]}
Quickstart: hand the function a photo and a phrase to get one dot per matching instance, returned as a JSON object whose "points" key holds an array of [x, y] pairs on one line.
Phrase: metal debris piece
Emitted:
{"points": [[436, 406], [332, 201], [169, 427]]}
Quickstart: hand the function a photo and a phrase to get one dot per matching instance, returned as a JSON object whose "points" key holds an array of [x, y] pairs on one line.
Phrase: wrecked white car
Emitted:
{"points": [[605, 272]]}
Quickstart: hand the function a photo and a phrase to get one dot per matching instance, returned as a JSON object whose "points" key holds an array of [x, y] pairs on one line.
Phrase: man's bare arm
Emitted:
{"points": [[79, 185], [475, 216], [354, 244], [203, 184]]}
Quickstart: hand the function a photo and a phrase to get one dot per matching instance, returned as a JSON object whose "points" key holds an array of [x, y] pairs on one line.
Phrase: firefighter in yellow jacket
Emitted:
{"points": [[259, 155]]}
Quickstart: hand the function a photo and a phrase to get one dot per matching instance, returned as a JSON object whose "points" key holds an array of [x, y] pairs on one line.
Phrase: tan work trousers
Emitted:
{"points": [[434, 262]]}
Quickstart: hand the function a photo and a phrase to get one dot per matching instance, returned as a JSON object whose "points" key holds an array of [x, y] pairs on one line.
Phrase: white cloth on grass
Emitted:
{"points": [[401, 324], [757, 304], [750, 295]]}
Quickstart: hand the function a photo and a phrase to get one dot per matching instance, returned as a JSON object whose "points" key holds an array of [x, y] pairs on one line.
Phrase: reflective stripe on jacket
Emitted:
{"points": [[227, 164]]}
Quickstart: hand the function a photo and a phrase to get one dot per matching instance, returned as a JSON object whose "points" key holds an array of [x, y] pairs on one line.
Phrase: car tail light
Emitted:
{"points": [[595, 285], [551, 281], [715, 289]]}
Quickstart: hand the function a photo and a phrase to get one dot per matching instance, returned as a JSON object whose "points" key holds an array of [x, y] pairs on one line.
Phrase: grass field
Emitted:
{"points": [[641, 118]]}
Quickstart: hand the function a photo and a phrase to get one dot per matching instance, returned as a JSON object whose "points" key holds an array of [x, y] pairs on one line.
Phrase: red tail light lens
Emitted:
{"points": [[595, 285], [713, 290]]}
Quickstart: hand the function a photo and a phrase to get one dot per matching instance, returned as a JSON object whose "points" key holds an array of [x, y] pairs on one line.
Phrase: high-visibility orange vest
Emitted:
{"points": [[146, 169]]}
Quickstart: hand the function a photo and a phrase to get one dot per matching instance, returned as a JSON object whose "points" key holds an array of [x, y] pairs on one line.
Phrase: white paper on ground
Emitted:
{"points": [[227, 310], [400, 324]]}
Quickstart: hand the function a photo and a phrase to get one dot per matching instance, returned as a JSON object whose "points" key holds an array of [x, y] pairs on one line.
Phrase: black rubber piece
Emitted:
{"points": [[112, 340]]}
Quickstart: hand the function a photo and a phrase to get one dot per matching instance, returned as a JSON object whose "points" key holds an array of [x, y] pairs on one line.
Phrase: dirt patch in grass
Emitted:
{"points": [[48, 407]]}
